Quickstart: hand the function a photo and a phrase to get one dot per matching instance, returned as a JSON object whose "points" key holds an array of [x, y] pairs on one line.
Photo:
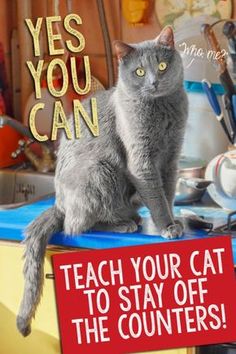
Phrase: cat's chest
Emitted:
{"points": [[148, 126]]}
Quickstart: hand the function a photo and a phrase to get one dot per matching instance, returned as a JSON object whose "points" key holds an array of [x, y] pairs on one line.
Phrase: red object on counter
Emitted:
{"points": [[9, 143], [8, 136]]}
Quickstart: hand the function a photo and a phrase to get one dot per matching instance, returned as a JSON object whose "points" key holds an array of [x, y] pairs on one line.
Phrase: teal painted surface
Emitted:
{"points": [[192, 86]]}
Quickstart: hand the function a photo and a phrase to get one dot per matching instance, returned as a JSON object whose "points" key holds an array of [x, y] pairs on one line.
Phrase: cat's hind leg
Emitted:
{"points": [[122, 218], [80, 215], [122, 226], [100, 198]]}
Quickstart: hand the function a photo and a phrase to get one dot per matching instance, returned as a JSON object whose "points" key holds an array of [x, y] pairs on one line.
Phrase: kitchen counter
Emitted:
{"points": [[45, 336], [14, 221]]}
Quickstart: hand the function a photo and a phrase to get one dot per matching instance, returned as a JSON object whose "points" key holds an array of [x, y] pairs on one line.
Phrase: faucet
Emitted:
{"points": [[21, 128], [45, 163]]}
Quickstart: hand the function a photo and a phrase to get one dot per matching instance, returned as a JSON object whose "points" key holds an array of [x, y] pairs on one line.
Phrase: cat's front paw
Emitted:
{"points": [[173, 231], [23, 326]]}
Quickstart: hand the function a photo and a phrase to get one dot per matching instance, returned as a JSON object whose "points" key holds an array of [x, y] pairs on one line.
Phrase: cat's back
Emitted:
{"points": [[102, 110], [74, 152]]}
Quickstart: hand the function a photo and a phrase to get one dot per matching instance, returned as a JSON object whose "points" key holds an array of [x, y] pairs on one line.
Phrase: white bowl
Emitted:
{"points": [[222, 171]]}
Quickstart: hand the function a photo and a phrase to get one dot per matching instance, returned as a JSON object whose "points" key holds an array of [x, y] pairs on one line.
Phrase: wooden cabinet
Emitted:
{"points": [[44, 338]]}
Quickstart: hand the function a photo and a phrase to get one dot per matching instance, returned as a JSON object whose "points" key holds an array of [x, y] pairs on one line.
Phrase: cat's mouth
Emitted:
{"points": [[150, 91], [153, 93]]}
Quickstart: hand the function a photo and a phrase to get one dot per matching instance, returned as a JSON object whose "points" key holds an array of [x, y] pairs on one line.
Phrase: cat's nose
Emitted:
{"points": [[154, 84]]}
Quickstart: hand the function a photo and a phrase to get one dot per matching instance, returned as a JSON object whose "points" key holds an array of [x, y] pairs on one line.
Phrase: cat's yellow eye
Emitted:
{"points": [[140, 72], [162, 66]]}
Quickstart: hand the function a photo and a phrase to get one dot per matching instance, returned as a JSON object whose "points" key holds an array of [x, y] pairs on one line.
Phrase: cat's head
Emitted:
{"points": [[151, 68]]}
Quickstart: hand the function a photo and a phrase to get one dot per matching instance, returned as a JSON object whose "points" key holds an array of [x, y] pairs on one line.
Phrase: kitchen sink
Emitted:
{"points": [[20, 187]]}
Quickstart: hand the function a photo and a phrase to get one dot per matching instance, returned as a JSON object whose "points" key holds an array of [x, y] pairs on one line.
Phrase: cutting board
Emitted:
{"points": [[14, 221]]}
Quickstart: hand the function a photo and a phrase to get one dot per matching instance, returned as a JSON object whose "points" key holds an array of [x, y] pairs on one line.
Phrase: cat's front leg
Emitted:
{"points": [[169, 173], [169, 177], [149, 185]]}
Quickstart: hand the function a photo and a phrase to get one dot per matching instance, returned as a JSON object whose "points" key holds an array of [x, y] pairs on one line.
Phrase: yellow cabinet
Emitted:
{"points": [[44, 338]]}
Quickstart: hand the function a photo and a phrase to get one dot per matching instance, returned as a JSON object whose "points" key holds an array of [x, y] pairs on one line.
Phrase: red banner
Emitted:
{"points": [[152, 297]]}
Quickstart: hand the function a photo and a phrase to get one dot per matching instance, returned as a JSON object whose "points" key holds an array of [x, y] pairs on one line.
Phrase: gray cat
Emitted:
{"points": [[101, 182]]}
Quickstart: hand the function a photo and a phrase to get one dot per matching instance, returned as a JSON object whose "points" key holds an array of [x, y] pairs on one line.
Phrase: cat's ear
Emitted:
{"points": [[166, 37], [122, 49]]}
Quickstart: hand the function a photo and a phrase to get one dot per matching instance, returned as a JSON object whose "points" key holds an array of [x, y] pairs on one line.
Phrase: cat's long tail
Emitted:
{"points": [[37, 235]]}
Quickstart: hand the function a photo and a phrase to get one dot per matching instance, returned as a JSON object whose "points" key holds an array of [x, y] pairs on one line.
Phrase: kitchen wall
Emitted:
{"points": [[7, 20], [118, 28]]}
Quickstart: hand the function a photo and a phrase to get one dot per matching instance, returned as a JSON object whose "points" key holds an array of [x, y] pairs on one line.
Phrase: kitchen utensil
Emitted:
{"points": [[227, 83], [191, 184], [222, 171], [193, 221], [229, 109], [229, 227], [229, 30], [224, 76], [212, 98], [195, 183], [234, 107]]}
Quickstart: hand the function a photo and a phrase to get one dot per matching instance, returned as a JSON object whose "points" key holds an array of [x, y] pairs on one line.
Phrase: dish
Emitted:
{"points": [[222, 171]]}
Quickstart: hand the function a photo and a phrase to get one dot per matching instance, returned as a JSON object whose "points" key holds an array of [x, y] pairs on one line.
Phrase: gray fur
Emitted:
{"points": [[37, 237], [101, 182]]}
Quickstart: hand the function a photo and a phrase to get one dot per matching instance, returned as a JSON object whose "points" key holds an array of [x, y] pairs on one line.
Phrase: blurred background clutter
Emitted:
{"points": [[205, 36]]}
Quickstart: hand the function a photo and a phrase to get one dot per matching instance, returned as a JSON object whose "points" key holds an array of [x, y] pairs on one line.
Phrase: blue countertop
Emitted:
{"points": [[14, 221]]}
